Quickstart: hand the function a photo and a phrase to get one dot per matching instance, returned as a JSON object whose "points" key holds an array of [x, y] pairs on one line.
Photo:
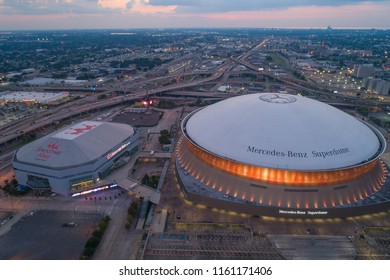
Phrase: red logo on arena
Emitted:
{"points": [[81, 130], [53, 146]]}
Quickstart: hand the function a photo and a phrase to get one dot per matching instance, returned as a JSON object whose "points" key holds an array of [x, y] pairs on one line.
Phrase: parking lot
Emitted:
{"points": [[219, 243], [41, 235], [139, 118]]}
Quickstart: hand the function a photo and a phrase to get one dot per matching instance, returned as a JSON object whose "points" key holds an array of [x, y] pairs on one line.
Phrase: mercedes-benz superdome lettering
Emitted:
{"points": [[297, 154], [333, 152]]}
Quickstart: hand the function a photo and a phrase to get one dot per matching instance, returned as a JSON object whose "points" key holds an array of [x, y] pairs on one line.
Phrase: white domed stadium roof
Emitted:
{"points": [[75, 145], [283, 131]]}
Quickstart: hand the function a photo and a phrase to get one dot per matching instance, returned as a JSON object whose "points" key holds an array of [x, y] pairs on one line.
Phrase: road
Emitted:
{"points": [[60, 113], [118, 243]]}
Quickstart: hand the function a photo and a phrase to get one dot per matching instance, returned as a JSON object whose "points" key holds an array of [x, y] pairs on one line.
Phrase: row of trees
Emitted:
{"points": [[28, 137], [94, 241], [299, 75], [150, 181], [131, 212], [11, 188], [164, 137], [363, 111]]}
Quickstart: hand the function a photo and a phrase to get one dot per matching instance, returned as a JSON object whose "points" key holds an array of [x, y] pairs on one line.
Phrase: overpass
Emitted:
{"points": [[196, 94], [152, 154], [137, 188], [60, 114], [305, 85]]}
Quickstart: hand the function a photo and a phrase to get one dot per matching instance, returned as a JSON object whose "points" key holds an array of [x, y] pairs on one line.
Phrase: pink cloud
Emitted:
{"points": [[142, 8], [137, 6], [311, 14], [365, 15]]}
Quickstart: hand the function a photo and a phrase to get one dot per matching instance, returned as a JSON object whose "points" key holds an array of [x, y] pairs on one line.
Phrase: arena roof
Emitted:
{"points": [[76, 144], [283, 131]]}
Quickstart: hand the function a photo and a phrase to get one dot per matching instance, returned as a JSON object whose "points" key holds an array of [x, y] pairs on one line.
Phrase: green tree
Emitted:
{"points": [[145, 180], [134, 205], [150, 181], [93, 242], [106, 219], [164, 137], [198, 101], [88, 251], [14, 182], [131, 212], [97, 233], [154, 181]]}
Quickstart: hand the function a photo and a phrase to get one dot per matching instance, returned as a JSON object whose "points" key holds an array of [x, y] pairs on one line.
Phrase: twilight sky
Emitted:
{"points": [[96, 14]]}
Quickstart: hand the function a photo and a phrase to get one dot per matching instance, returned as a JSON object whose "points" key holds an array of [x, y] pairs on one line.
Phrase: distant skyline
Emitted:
{"points": [[125, 14]]}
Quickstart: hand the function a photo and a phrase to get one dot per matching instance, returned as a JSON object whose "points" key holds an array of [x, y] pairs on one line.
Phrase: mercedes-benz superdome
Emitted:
{"points": [[75, 158], [280, 155]]}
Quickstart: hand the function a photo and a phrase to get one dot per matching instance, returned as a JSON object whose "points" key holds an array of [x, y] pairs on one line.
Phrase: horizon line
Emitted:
{"points": [[188, 28]]}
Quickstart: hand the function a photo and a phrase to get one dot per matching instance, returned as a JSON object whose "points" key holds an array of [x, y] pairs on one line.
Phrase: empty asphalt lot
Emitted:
{"points": [[40, 235]]}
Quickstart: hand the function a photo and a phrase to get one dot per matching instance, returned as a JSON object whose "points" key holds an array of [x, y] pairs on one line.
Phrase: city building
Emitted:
{"points": [[386, 66], [277, 154], [49, 81], [364, 71], [377, 86], [383, 88], [28, 97], [75, 158]]}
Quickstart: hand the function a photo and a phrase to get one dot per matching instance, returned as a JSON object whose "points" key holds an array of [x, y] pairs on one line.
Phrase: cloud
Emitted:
{"points": [[41, 7], [130, 4], [215, 6], [112, 4], [142, 7]]}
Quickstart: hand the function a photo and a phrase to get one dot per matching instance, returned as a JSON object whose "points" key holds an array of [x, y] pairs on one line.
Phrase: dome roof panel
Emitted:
{"points": [[282, 131]]}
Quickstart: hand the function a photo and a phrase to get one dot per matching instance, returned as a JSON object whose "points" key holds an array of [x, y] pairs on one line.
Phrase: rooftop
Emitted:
{"points": [[74, 145], [283, 131]]}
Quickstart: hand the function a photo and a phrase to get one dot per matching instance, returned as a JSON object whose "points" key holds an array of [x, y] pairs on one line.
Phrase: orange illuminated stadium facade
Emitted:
{"points": [[263, 185], [278, 176]]}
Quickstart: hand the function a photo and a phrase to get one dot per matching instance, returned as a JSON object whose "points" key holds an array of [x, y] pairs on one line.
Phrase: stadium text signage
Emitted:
{"points": [[303, 212], [44, 153], [294, 154], [110, 155]]}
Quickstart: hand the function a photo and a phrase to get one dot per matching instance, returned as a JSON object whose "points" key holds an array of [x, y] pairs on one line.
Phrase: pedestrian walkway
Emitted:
{"points": [[153, 154], [120, 177], [137, 188], [159, 221]]}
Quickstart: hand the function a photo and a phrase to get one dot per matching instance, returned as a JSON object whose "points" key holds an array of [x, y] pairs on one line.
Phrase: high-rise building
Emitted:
{"points": [[377, 86], [363, 71]]}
